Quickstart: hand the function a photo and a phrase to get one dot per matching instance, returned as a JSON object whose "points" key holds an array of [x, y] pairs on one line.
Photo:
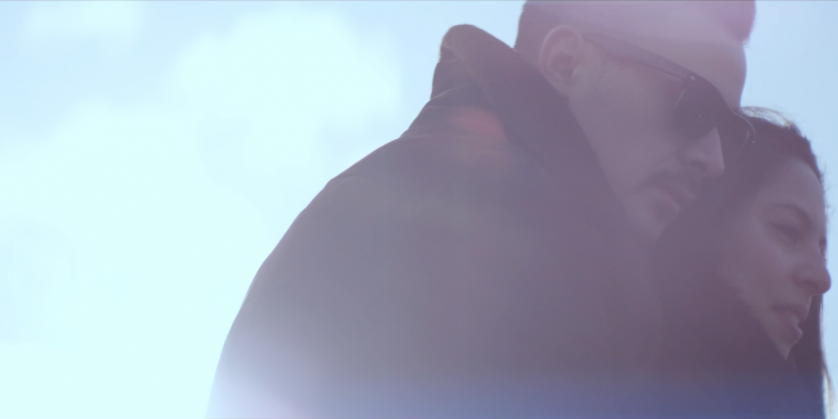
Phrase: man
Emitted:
{"points": [[490, 261]]}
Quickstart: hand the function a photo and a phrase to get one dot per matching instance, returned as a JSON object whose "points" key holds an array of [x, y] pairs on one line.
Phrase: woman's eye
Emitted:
{"points": [[789, 232]]}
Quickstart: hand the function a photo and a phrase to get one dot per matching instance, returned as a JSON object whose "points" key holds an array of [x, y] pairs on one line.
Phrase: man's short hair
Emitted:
{"points": [[539, 17]]}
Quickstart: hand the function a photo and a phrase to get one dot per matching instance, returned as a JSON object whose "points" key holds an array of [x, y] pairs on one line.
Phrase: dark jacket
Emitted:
{"points": [[476, 266], [715, 360]]}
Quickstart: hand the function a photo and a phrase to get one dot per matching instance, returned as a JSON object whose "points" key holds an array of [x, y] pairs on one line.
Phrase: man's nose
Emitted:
{"points": [[704, 156]]}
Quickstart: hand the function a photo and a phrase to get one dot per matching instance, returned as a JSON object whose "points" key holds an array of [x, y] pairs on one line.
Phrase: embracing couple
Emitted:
{"points": [[587, 225]]}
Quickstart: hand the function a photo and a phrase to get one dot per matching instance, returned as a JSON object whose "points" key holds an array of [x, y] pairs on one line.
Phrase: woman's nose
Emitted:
{"points": [[814, 276]]}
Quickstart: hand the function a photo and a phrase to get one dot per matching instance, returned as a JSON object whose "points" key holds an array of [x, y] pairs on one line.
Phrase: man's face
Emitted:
{"points": [[625, 110]]}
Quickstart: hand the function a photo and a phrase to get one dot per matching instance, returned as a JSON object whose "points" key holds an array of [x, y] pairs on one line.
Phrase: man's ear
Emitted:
{"points": [[560, 54]]}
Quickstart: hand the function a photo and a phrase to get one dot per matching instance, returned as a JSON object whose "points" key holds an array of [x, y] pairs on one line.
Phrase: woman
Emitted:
{"points": [[741, 274]]}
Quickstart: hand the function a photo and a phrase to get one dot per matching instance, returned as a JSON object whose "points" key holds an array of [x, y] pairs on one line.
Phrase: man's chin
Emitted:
{"points": [[648, 226], [649, 214]]}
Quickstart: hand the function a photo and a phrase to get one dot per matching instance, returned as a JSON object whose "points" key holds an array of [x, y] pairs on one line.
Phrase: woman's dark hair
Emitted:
{"points": [[685, 255]]}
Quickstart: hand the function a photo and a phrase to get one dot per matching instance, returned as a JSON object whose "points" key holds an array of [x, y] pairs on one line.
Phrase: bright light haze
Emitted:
{"points": [[153, 154]]}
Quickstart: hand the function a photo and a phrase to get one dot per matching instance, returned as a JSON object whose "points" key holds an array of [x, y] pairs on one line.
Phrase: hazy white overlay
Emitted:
{"points": [[152, 154]]}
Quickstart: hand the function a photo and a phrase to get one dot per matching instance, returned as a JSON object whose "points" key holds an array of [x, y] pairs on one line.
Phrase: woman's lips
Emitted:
{"points": [[667, 204], [790, 317]]}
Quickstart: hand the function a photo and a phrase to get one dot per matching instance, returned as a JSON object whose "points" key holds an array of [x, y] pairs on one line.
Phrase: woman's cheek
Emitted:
{"points": [[769, 268]]}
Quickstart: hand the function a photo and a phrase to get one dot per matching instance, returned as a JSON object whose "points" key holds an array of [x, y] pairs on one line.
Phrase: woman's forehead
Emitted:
{"points": [[794, 186]]}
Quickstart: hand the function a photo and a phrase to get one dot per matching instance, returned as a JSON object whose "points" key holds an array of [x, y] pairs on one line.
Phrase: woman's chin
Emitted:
{"points": [[784, 341], [785, 350]]}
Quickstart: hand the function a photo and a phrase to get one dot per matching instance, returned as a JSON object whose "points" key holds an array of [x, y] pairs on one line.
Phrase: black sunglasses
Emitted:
{"points": [[699, 108]]}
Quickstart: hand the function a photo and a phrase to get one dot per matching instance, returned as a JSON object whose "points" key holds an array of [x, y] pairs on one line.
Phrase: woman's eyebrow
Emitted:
{"points": [[797, 209], [805, 219]]}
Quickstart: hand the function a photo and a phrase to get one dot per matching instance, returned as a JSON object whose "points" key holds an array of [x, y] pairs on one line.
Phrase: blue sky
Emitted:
{"points": [[152, 154]]}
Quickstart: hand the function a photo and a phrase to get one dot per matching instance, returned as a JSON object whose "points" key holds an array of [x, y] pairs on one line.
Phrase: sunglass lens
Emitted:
{"points": [[700, 109], [694, 116], [735, 134]]}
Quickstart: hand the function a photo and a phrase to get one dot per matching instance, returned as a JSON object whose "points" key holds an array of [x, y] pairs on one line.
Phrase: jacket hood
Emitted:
{"points": [[478, 65]]}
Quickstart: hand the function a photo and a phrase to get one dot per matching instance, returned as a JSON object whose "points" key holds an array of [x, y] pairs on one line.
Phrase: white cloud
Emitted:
{"points": [[154, 217], [111, 23], [278, 78], [263, 93]]}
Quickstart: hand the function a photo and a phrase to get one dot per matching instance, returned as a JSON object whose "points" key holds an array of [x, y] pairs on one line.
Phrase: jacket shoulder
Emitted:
{"points": [[432, 260]]}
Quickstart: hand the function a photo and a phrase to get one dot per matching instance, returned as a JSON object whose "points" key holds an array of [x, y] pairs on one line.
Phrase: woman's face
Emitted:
{"points": [[772, 252]]}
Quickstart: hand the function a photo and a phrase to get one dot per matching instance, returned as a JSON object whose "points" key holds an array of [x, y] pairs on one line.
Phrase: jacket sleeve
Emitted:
{"points": [[432, 284]]}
